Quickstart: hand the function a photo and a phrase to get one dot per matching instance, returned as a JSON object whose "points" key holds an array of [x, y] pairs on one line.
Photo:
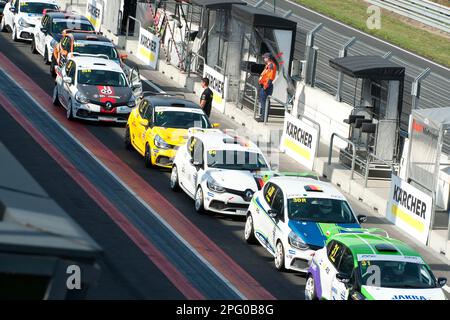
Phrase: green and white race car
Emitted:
{"points": [[361, 264]]}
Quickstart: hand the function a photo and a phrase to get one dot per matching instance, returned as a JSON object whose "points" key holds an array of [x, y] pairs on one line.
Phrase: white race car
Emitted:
{"points": [[364, 265], [20, 17], [292, 217], [218, 171], [96, 89]]}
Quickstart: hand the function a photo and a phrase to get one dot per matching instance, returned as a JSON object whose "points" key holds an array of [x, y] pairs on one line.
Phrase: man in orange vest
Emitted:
{"points": [[266, 83]]}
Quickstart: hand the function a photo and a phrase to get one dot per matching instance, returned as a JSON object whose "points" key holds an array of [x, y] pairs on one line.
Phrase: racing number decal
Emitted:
{"points": [[299, 200], [270, 194], [333, 252]]}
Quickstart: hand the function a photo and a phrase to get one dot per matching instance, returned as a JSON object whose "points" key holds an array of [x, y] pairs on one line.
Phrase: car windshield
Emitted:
{"points": [[322, 210], [36, 7], [102, 78], [181, 119], [396, 274], [236, 160], [91, 48], [59, 26]]}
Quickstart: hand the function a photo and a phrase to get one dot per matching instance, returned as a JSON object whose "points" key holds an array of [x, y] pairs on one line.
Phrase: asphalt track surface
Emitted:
{"points": [[127, 270]]}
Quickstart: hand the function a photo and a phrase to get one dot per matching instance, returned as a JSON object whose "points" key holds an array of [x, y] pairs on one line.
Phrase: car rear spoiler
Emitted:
{"points": [[66, 31], [266, 175], [76, 54]]}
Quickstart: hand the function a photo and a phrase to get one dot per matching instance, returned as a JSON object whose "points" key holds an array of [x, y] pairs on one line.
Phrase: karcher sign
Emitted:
{"points": [[94, 12], [148, 48], [410, 209], [218, 84], [299, 140]]}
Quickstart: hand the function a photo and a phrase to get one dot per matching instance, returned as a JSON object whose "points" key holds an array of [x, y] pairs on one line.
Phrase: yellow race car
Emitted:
{"points": [[159, 125]]}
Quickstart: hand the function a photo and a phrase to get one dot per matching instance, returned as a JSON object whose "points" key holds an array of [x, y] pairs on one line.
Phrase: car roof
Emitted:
{"points": [[163, 101], [90, 62], [305, 187], [374, 244], [215, 139], [65, 15]]}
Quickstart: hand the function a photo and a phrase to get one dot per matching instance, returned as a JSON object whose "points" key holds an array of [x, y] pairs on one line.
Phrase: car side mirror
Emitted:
{"points": [[12, 9], [123, 56], [442, 282], [273, 213], [67, 80], [362, 218], [216, 125], [44, 30], [343, 278]]}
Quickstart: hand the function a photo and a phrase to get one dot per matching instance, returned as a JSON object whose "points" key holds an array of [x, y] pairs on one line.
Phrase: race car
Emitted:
{"points": [[95, 88], [2, 7], [83, 42], [218, 171], [48, 32], [20, 17], [160, 125], [366, 265], [291, 217]]}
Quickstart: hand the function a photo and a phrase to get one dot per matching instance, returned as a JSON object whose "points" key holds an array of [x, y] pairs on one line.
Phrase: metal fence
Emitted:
{"points": [[434, 89]]}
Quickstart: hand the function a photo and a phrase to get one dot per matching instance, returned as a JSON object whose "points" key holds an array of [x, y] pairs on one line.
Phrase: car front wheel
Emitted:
{"points": [[199, 201], [174, 183], [249, 231], [279, 256], [310, 288], [148, 157], [127, 138]]}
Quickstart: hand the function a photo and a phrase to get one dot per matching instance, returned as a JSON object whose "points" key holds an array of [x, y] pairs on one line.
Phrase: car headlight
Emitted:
{"points": [[23, 23], [132, 102], [53, 44], [214, 186], [160, 143], [81, 98], [297, 242]]}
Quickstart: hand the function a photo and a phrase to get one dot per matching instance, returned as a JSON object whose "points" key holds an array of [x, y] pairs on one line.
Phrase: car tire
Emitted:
{"points": [[279, 256], [310, 288], [2, 25], [148, 156], [55, 97], [174, 182], [127, 139], [199, 201], [69, 114], [14, 34], [33, 46], [46, 56], [249, 231], [52, 67]]}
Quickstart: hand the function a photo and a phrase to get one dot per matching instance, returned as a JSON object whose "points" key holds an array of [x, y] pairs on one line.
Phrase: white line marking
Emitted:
{"points": [[151, 84], [368, 35], [150, 209]]}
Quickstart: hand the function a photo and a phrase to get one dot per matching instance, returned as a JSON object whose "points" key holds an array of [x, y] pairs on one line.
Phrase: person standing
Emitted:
{"points": [[266, 83], [206, 97]]}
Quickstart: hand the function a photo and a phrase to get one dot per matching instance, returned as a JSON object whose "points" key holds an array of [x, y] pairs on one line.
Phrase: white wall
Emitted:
{"points": [[323, 108]]}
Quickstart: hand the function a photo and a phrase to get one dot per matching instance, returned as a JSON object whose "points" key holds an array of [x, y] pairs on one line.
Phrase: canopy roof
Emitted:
{"points": [[217, 4], [368, 67], [262, 18]]}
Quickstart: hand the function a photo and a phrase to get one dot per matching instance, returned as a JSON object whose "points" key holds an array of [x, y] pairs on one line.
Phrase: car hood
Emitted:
{"points": [[117, 96], [234, 179], [32, 18], [377, 293], [175, 137], [316, 233]]}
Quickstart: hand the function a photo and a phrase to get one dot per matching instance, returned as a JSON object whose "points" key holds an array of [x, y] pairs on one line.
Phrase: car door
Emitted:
{"points": [[263, 222], [191, 170], [339, 290], [9, 15], [328, 268], [135, 82], [65, 49], [67, 89], [39, 36], [139, 128], [277, 227]]}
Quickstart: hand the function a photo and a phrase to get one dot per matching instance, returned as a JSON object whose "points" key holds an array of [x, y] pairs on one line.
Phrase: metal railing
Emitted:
{"points": [[368, 163], [128, 28], [426, 12], [330, 151], [195, 55]]}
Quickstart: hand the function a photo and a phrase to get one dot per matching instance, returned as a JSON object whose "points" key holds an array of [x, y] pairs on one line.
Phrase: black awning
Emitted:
{"points": [[217, 4], [262, 18], [369, 67]]}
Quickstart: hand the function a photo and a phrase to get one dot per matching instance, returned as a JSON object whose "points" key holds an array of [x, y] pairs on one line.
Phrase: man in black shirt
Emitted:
{"points": [[207, 97]]}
